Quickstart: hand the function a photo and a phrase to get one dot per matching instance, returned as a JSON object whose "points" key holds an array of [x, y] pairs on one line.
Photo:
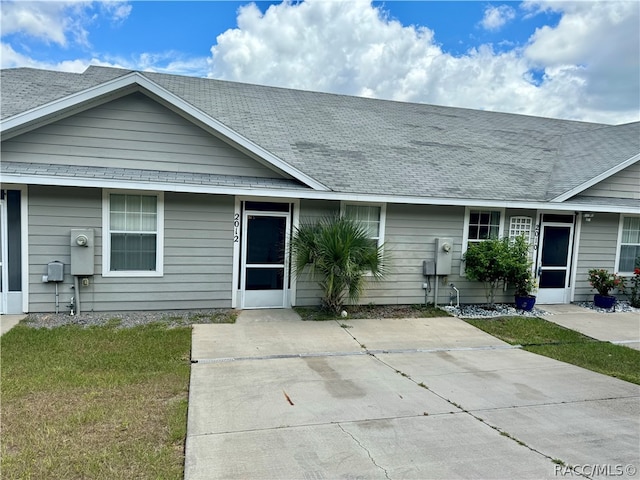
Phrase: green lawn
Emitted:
{"points": [[551, 340], [99, 403]]}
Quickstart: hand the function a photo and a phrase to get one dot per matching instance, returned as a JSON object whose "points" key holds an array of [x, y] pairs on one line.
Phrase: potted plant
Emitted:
{"points": [[603, 282], [525, 287]]}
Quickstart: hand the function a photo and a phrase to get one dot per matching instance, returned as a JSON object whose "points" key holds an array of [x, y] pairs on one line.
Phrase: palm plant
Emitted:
{"points": [[337, 251]]}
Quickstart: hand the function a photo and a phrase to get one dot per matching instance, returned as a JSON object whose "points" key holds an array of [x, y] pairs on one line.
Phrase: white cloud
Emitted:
{"points": [[589, 60], [346, 47], [587, 66], [172, 62], [117, 10], [9, 58], [57, 22], [603, 40], [496, 17]]}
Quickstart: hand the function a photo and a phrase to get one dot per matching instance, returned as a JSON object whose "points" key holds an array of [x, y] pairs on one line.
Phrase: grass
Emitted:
{"points": [[554, 341], [101, 402], [372, 311]]}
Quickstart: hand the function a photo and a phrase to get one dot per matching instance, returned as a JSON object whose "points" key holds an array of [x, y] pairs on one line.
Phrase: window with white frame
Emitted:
{"points": [[480, 225], [133, 225], [371, 217], [483, 225], [629, 247]]}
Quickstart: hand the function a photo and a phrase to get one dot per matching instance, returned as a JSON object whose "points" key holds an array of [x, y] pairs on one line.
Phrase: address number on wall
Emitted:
{"points": [[236, 228]]}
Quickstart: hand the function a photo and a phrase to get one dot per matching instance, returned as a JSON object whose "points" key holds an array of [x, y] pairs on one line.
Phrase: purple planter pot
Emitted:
{"points": [[604, 301], [525, 303]]}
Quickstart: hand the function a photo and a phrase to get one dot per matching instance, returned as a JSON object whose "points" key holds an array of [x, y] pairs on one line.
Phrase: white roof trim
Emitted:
{"points": [[304, 194], [137, 79], [596, 180]]}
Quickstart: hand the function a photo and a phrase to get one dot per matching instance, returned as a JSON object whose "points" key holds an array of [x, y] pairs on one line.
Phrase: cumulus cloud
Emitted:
{"points": [[355, 48], [57, 22], [9, 58], [585, 67], [496, 17], [600, 44]]}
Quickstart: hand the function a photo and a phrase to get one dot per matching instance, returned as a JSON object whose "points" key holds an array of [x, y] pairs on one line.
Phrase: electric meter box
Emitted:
{"points": [[428, 268], [55, 271], [444, 253], [82, 251]]}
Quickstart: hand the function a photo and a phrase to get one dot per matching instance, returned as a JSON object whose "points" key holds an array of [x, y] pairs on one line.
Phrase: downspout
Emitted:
{"points": [[76, 286]]}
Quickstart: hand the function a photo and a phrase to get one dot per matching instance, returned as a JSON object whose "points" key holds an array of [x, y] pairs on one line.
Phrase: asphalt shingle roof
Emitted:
{"points": [[367, 146], [154, 176]]}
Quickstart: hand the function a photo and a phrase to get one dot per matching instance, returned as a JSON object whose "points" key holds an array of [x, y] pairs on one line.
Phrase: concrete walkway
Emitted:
{"points": [[620, 327], [273, 397], [7, 322]]}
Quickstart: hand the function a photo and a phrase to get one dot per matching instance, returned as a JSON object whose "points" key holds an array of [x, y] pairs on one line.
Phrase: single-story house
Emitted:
{"points": [[132, 190]]}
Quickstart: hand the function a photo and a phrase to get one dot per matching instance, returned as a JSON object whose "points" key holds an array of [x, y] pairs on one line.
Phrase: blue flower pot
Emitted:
{"points": [[604, 301], [525, 303]]}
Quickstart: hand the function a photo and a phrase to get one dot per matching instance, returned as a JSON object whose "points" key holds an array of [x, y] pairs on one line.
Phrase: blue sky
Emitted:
{"points": [[575, 60]]}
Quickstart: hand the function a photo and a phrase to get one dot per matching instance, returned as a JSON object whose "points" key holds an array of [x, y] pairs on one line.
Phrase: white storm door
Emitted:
{"points": [[264, 279], [554, 263]]}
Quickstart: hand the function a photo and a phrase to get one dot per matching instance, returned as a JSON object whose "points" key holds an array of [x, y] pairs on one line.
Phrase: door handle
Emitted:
{"points": [[540, 270]]}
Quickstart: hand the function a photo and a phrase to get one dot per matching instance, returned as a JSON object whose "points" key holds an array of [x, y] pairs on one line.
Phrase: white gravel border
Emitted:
{"points": [[170, 318]]}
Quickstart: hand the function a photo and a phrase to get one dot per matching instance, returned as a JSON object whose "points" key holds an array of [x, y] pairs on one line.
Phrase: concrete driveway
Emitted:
{"points": [[273, 397]]}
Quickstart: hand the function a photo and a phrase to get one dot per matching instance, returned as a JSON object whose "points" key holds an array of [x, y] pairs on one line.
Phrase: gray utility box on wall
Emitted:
{"points": [[82, 251], [55, 272], [444, 252]]}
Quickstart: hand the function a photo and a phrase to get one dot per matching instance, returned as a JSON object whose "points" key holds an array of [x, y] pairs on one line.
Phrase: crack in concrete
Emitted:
{"points": [[321, 424], [481, 420], [386, 473]]}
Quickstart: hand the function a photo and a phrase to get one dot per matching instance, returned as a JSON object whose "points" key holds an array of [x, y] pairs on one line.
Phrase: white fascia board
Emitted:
{"points": [[595, 180], [141, 82], [21, 179]]}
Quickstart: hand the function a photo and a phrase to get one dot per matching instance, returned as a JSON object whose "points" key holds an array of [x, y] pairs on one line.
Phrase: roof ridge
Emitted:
{"points": [[368, 99]]}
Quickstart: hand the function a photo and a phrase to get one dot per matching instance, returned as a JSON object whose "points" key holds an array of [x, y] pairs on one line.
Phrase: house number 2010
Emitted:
{"points": [[236, 227]]}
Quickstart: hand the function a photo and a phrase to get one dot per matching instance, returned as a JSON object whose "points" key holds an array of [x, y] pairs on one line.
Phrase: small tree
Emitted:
{"points": [[497, 262], [339, 252]]}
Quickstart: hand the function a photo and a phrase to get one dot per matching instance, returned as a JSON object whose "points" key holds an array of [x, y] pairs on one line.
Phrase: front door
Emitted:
{"points": [[554, 258], [264, 278]]}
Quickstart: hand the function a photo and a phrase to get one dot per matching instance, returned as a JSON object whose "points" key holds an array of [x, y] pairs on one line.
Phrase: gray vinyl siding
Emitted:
{"points": [[624, 184], [410, 235], [308, 293], [132, 132], [197, 253], [598, 247]]}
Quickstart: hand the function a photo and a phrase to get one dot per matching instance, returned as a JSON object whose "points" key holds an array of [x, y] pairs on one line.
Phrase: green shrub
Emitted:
{"points": [[498, 262]]}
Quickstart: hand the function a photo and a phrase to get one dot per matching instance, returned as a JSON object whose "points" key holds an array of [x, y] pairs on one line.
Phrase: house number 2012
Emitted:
{"points": [[236, 227]]}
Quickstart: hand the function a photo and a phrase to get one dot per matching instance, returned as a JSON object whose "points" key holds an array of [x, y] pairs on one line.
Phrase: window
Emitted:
{"points": [[371, 217], [132, 238], [629, 244], [520, 226], [483, 225], [479, 225]]}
